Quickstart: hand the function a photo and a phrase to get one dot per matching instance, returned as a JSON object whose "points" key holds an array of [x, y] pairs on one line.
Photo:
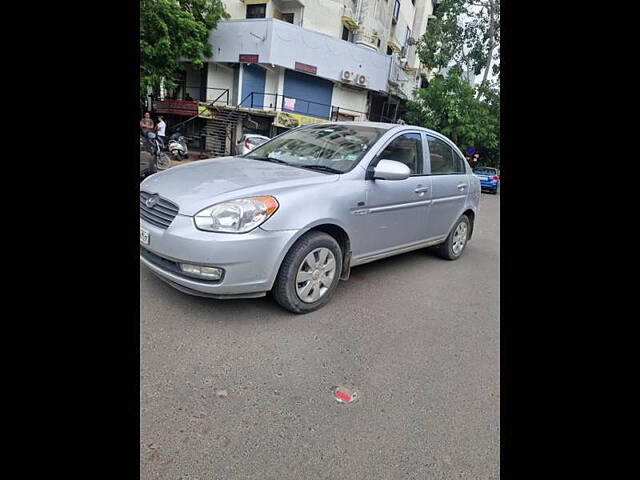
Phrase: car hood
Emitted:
{"points": [[198, 185]]}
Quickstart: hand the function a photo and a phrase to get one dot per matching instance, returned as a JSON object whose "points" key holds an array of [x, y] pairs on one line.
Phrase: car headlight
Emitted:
{"points": [[236, 216]]}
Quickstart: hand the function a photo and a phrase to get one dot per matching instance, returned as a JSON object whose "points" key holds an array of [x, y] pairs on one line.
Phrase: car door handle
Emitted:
{"points": [[462, 186], [421, 190]]}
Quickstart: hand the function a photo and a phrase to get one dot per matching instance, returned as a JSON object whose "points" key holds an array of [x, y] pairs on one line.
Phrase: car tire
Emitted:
{"points": [[296, 264], [450, 249]]}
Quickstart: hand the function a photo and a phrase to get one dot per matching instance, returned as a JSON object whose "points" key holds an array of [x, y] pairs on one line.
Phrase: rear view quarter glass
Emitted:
{"points": [[443, 159]]}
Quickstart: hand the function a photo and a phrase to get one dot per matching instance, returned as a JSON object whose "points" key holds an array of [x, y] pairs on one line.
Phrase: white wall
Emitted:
{"points": [[272, 84], [324, 16], [350, 99], [235, 8], [219, 77], [238, 8]]}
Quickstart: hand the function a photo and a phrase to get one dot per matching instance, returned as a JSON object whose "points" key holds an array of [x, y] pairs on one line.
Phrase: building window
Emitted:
{"points": [[259, 10], [406, 39], [345, 34], [389, 51], [287, 17], [396, 10], [378, 43]]}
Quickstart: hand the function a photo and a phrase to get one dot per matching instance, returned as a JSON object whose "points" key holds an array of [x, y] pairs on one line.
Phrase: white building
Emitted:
{"points": [[281, 63]]}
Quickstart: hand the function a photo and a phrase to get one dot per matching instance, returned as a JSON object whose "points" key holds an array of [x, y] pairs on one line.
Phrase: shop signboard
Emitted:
{"points": [[176, 107], [183, 108], [303, 67], [293, 120]]}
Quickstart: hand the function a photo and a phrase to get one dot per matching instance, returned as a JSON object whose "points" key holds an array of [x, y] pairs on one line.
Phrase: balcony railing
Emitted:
{"points": [[213, 95], [260, 101], [283, 103]]}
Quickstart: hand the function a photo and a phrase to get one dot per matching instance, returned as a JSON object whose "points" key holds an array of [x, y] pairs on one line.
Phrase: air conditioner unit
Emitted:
{"points": [[362, 81], [346, 75]]}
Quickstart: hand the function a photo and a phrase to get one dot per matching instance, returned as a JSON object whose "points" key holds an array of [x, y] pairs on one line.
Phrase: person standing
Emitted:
{"points": [[161, 128], [146, 124]]}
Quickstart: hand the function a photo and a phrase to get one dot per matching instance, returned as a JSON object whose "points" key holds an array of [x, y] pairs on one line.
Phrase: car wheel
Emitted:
{"points": [[455, 243], [309, 273]]}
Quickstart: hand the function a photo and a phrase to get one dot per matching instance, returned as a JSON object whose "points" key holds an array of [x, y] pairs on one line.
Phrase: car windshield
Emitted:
{"points": [[486, 171], [328, 147]]}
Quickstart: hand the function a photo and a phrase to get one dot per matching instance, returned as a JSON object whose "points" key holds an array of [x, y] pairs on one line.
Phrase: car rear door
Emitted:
{"points": [[397, 209], [449, 186]]}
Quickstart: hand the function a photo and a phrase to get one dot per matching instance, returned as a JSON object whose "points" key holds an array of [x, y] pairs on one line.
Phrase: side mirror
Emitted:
{"points": [[391, 170]]}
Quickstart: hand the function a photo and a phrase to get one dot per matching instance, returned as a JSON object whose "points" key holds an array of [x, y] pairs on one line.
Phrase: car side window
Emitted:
{"points": [[407, 149], [443, 159]]}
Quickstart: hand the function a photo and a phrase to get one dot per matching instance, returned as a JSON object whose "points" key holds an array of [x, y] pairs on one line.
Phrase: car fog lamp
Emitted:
{"points": [[210, 273]]}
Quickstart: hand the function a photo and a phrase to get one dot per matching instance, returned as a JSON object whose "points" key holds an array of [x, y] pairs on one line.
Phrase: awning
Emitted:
{"points": [[393, 46], [349, 22]]}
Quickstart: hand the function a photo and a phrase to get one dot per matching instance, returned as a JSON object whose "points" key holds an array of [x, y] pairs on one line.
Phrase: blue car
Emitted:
{"points": [[489, 178]]}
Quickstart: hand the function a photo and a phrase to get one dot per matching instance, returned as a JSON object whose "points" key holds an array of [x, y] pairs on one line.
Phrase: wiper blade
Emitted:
{"points": [[322, 168], [269, 159]]}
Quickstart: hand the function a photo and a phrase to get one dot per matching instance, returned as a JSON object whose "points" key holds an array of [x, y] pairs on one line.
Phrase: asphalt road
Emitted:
{"points": [[241, 389]]}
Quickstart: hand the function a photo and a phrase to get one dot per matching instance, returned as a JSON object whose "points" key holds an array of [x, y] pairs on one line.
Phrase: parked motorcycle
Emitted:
{"points": [[152, 156], [177, 146]]}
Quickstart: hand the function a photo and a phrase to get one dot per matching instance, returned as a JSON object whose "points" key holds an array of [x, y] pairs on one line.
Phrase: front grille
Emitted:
{"points": [[161, 214]]}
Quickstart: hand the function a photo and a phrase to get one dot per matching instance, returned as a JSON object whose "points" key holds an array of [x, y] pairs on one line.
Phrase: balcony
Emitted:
{"points": [[349, 14], [401, 83]]}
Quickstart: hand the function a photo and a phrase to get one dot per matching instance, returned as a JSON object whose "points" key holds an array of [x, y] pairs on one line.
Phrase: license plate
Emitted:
{"points": [[144, 237]]}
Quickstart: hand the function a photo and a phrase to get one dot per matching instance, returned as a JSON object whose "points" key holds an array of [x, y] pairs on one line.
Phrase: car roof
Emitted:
{"points": [[390, 126], [386, 126]]}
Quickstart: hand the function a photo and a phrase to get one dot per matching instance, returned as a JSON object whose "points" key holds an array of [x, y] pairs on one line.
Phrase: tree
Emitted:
{"points": [[465, 33], [171, 31], [463, 39], [449, 105]]}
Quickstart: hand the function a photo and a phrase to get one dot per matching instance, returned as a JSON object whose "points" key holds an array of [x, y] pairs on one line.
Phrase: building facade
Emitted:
{"points": [[277, 64]]}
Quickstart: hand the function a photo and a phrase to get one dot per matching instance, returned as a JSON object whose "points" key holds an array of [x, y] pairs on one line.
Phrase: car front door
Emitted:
{"points": [[397, 210], [449, 187]]}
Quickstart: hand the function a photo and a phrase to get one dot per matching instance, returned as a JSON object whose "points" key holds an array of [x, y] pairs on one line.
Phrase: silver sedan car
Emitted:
{"points": [[296, 213]]}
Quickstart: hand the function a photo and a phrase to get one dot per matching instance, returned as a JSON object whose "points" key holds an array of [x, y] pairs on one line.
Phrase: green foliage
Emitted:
{"points": [[449, 106], [465, 33], [464, 37], [174, 30]]}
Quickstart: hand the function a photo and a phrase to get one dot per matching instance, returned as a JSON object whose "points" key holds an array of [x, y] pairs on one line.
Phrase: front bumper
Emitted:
{"points": [[250, 260]]}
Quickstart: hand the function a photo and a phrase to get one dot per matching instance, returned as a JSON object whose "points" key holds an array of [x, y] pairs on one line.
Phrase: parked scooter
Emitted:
{"points": [[177, 146]]}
